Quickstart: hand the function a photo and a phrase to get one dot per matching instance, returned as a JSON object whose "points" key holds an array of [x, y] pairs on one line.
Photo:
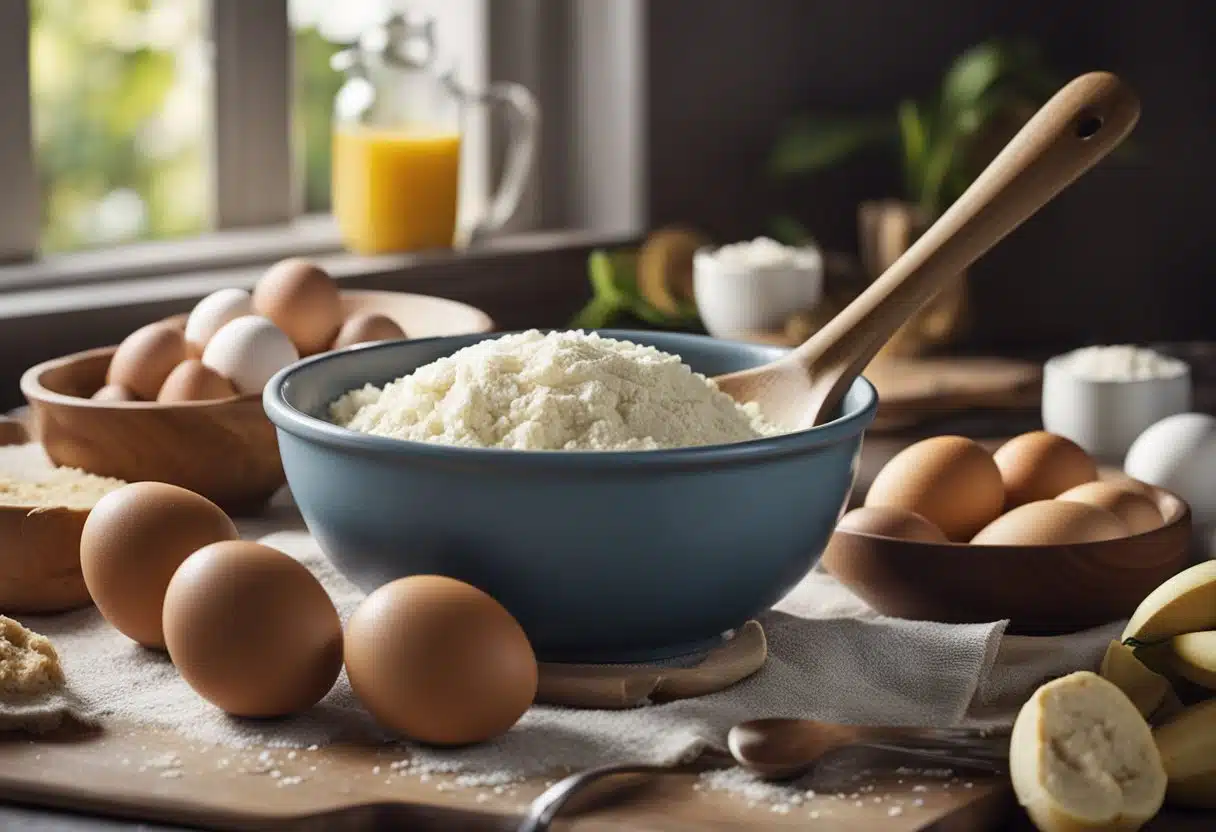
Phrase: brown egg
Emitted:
{"points": [[1051, 523], [1129, 483], [114, 393], [951, 481], [1138, 513], [12, 432], [1041, 466], [133, 541], [365, 327], [192, 381], [146, 357], [303, 301], [251, 630], [439, 661], [886, 521]]}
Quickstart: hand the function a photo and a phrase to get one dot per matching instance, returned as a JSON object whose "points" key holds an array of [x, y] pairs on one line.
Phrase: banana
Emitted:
{"points": [[1185, 603], [664, 267], [1187, 745], [1145, 688], [1169, 708], [1157, 658], [1193, 656]]}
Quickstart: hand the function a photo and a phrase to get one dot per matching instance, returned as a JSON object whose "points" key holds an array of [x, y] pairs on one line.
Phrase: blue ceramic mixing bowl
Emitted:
{"points": [[601, 556]]}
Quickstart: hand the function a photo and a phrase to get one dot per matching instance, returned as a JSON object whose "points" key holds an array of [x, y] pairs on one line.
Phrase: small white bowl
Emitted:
{"points": [[734, 300], [1105, 417]]}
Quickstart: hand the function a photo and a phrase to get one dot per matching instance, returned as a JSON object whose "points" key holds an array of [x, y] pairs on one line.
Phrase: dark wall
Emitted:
{"points": [[1122, 255]]}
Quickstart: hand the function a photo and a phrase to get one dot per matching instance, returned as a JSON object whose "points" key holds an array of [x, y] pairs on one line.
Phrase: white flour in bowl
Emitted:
{"points": [[561, 391]]}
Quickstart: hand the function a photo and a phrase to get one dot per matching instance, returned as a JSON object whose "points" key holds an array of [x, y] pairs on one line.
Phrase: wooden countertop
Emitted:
{"points": [[877, 450]]}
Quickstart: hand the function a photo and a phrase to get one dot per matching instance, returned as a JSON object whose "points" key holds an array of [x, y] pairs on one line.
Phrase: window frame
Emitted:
{"points": [[255, 181], [19, 199]]}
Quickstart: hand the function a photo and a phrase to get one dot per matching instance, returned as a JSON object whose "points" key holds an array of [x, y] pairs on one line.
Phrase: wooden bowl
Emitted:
{"points": [[225, 450], [1042, 590], [40, 559]]}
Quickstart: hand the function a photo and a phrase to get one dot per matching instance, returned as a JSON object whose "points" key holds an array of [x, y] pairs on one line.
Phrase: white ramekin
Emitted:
{"points": [[734, 301], [1105, 417]]}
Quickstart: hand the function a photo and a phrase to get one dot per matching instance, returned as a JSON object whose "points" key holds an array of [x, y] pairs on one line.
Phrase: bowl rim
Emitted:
{"points": [[288, 418], [34, 390]]}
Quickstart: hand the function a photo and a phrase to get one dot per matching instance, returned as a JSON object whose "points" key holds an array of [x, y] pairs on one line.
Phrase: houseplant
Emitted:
{"points": [[940, 143]]}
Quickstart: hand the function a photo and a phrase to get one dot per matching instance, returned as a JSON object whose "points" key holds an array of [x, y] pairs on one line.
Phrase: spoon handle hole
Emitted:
{"points": [[1088, 125]]}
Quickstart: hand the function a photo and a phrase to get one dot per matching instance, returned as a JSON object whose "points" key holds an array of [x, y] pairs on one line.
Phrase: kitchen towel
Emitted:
{"points": [[831, 657]]}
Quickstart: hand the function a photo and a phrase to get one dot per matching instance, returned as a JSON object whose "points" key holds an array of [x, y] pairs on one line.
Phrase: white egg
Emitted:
{"points": [[212, 312], [1179, 454], [248, 351]]}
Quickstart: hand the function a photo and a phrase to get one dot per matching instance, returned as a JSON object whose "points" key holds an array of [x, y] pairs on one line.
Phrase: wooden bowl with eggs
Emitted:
{"points": [[1034, 533], [222, 448]]}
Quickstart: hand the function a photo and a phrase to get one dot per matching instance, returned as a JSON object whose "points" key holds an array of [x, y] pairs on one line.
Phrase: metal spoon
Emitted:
{"points": [[1082, 123], [779, 749]]}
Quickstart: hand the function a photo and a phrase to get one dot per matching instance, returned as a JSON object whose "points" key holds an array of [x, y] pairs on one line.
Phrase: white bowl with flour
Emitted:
{"points": [[1103, 397], [755, 286]]}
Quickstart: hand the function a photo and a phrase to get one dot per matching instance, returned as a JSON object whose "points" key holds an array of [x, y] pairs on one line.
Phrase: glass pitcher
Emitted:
{"points": [[398, 121]]}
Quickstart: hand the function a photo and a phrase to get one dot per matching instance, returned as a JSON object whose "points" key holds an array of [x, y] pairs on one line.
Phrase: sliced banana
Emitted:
{"points": [[664, 267], [1186, 603], [1146, 689], [1169, 708], [1187, 744], [1081, 757], [1193, 657]]}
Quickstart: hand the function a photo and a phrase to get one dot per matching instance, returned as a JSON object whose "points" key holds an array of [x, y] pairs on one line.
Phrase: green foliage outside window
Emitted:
{"points": [[122, 108]]}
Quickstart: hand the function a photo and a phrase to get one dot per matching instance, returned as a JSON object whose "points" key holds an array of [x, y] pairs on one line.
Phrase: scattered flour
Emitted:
{"points": [[561, 391]]}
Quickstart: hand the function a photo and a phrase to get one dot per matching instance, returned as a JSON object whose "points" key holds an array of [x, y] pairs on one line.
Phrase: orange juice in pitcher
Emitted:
{"points": [[397, 143], [395, 190]]}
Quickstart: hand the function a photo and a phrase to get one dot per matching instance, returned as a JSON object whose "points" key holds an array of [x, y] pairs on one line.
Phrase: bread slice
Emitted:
{"points": [[1082, 757], [1188, 751], [42, 514], [29, 665]]}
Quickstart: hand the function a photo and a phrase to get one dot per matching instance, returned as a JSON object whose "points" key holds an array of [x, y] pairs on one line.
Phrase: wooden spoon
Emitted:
{"points": [[778, 749], [1082, 123]]}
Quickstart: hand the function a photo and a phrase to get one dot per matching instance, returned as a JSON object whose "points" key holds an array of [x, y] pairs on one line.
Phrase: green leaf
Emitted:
{"points": [[914, 134], [650, 315], [972, 74], [599, 267], [811, 144], [787, 230], [597, 314], [937, 172]]}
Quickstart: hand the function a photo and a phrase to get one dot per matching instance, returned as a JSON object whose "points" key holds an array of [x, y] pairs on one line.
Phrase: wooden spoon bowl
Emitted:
{"points": [[1042, 590], [225, 450]]}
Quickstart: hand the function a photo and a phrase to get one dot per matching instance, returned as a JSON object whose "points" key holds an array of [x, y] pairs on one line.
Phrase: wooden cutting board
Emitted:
{"points": [[912, 390], [147, 775]]}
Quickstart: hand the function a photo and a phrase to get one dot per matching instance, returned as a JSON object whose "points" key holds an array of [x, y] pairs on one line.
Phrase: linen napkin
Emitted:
{"points": [[831, 657]]}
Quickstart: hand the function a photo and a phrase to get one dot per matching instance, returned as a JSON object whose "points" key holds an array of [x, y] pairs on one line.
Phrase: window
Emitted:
{"points": [[143, 138], [119, 92], [163, 119]]}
